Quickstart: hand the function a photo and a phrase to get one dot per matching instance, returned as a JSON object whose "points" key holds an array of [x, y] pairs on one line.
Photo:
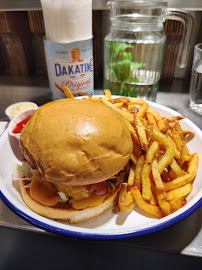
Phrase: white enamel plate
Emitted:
{"points": [[108, 225]]}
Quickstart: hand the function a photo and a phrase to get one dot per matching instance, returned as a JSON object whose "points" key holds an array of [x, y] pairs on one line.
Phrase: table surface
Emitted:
{"points": [[172, 239]]}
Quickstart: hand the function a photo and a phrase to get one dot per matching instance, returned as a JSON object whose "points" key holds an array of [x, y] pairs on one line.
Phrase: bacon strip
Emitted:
{"points": [[100, 188]]}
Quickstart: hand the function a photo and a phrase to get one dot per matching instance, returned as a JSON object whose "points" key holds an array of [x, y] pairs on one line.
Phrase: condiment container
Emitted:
{"points": [[17, 108], [14, 138]]}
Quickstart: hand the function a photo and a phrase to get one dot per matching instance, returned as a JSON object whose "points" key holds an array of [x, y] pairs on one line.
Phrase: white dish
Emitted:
{"points": [[19, 106], [108, 225]]}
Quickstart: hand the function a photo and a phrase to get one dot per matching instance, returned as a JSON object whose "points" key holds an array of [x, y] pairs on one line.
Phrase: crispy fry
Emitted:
{"points": [[183, 180], [157, 177], [151, 119], [125, 115], [174, 118], [188, 135], [121, 99], [179, 192], [159, 119], [176, 168], [137, 101], [126, 202], [146, 182], [108, 94], [138, 170], [151, 153], [179, 181], [131, 177], [141, 133], [178, 203], [142, 110], [164, 204], [118, 105], [176, 132], [169, 153], [193, 164], [133, 159], [147, 207], [68, 93]]}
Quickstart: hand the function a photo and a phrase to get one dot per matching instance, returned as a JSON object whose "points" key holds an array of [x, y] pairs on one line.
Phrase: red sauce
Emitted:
{"points": [[18, 128]]}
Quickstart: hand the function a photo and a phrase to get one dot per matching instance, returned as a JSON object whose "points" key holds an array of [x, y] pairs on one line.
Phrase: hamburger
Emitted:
{"points": [[78, 149]]}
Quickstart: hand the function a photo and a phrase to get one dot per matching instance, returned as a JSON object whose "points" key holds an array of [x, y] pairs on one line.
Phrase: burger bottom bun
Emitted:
{"points": [[69, 215]]}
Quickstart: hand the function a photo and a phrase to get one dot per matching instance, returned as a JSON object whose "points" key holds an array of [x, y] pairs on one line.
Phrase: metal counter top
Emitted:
{"points": [[184, 237]]}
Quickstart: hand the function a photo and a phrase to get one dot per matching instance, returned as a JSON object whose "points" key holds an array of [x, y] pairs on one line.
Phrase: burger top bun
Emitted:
{"points": [[76, 142]]}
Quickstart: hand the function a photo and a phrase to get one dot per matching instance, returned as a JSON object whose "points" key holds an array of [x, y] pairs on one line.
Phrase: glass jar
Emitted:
{"points": [[133, 49]]}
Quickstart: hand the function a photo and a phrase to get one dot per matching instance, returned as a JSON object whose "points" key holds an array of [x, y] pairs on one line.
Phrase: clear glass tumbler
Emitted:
{"points": [[195, 90]]}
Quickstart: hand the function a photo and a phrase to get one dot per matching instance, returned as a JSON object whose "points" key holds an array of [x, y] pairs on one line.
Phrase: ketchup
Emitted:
{"points": [[18, 128]]}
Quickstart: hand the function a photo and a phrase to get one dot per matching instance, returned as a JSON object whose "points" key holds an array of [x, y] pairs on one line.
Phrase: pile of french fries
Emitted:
{"points": [[161, 170]]}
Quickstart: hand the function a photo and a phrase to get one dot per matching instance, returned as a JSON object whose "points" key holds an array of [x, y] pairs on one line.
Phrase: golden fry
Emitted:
{"points": [[137, 101], [108, 94], [126, 202], [179, 192], [176, 168], [183, 180], [118, 105], [160, 121], [178, 203], [125, 115], [179, 181], [68, 93], [133, 159], [169, 153], [146, 182], [141, 133], [138, 171], [193, 164], [157, 177], [164, 204], [151, 119], [151, 153], [131, 177], [142, 110], [147, 207]]}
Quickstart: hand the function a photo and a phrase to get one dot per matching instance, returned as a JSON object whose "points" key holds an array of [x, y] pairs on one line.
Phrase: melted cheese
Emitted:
{"points": [[91, 201], [43, 191], [75, 192], [46, 193]]}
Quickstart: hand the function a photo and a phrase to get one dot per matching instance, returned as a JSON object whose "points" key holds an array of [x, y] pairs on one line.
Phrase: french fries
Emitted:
{"points": [[153, 210], [125, 201], [161, 170]]}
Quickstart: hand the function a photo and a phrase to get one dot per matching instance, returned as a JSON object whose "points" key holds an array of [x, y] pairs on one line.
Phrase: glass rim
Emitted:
{"points": [[198, 47], [140, 3]]}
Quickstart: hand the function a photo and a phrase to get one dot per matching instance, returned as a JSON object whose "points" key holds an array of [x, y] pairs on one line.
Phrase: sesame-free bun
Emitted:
{"points": [[76, 142], [69, 215]]}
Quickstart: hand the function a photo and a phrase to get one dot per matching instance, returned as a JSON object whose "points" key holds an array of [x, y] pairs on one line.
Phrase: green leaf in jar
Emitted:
{"points": [[136, 65], [122, 70]]}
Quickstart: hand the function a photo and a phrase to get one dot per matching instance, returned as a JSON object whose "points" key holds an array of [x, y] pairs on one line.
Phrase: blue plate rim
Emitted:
{"points": [[98, 236]]}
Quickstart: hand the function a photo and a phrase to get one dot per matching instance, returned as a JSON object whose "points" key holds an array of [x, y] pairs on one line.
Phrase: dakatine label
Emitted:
{"points": [[70, 65]]}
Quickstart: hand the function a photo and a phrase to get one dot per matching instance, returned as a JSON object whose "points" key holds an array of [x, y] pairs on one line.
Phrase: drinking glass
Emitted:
{"points": [[195, 90]]}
